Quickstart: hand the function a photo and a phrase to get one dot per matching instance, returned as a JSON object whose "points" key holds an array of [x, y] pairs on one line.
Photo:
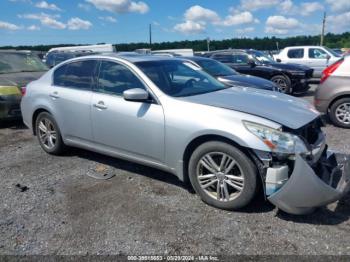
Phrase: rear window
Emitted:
{"points": [[76, 74], [296, 53]]}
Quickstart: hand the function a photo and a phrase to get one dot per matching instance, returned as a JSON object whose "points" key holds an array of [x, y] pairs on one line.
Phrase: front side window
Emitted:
{"points": [[317, 53], [178, 78], [224, 58], [115, 78], [296, 53], [77, 74]]}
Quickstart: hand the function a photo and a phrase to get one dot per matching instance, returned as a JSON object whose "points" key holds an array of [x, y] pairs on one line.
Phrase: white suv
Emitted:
{"points": [[316, 57]]}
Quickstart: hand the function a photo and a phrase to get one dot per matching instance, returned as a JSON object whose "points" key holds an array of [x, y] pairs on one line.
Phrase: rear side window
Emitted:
{"points": [[296, 53], [115, 78], [78, 75], [224, 58], [240, 58]]}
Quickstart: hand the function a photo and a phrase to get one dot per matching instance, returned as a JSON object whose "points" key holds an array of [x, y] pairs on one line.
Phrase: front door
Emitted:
{"points": [[131, 128]]}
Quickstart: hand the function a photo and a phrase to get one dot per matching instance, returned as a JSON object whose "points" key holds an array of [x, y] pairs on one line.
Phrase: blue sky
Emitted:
{"points": [[32, 22]]}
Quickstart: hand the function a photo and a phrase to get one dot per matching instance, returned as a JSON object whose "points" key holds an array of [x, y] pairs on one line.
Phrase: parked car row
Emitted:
{"points": [[170, 114]]}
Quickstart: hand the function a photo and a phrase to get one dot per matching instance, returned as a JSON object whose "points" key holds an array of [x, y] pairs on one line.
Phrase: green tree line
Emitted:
{"points": [[266, 43]]}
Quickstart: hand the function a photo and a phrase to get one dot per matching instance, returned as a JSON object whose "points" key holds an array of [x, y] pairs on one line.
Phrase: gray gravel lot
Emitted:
{"points": [[142, 210]]}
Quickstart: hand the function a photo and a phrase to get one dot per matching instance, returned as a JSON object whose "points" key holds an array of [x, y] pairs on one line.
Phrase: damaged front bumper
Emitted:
{"points": [[315, 185]]}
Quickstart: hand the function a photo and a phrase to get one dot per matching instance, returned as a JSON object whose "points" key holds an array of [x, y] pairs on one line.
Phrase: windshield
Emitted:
{"points": [[215, 68], [261, 57], [333, 52], [20, 62], [179, 78]]}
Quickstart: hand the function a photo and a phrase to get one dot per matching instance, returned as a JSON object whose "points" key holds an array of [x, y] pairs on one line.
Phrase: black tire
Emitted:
{"points": [[333, 113], [245, 164], [283, 82], [59, 145]]}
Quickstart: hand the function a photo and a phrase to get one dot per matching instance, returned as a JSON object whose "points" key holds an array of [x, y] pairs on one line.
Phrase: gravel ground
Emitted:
{"points": [[50, 206]]}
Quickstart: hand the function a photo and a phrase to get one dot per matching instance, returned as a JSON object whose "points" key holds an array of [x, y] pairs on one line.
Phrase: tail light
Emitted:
{"points": [[23, 90], [329, 70]]}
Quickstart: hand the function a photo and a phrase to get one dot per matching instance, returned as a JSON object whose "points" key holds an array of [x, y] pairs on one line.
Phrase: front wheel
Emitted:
{"points": [[283, 82], [49, 135], [340, 113], [222, 175]]}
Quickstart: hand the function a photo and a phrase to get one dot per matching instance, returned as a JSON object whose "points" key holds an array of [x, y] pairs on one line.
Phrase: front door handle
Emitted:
{"points": [[100, 105], [54, 95]]}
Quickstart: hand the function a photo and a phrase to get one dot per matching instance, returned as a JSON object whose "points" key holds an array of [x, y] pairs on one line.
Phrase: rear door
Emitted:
{"points": [[135, 129], [297, 56], [71, 98]]}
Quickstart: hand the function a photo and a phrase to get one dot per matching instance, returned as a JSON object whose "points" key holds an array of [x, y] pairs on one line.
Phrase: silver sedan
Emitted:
{"points": [[167, 113]]}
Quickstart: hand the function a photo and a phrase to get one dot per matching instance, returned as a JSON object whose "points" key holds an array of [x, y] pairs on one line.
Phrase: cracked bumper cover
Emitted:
{"points": [[305, 190]]}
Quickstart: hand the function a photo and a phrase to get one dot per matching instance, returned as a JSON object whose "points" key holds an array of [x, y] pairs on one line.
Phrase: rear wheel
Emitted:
{"points": [[340, 112], [283, 82], [222, 175], [48, 134]]}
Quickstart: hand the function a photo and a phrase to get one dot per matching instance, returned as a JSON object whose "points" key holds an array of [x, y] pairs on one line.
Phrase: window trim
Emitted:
{"points": [[153, 98], [75, 61]]}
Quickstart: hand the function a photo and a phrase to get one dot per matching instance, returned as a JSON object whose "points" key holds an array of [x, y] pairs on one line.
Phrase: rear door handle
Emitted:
{"points": [[100, 105], [54, 95]]}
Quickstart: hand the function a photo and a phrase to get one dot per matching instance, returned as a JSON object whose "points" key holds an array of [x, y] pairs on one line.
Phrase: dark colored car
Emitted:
{"points": [[55, 58], [229, 76], [17, 69], [291, 78]]}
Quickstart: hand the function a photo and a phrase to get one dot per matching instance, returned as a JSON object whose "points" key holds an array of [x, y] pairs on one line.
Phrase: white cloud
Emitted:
{"points": [[46, 5], [339, 5], [120, 6], [280, 25], [304, 9], [33, 28], [286, 6], [46, 20], [8, 26], [279, 21], [253, 5], [238, 19], [78, 24], [338, 23], [198, 13], [84, 7], [245, 30], [190, 27], [109, 19]]}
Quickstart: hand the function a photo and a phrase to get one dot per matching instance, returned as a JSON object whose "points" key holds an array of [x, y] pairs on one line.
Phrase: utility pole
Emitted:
{"points": [[323, 28], [208, 43], [150, 35]]}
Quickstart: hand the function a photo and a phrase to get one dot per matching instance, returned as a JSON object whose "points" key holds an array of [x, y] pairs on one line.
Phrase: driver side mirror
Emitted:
{"points": [[278, 60], [136, 95], [328, 57], [252, 63]]}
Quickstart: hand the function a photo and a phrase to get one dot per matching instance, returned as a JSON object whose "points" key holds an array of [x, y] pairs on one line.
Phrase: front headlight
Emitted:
{"points": [[276, 140]]}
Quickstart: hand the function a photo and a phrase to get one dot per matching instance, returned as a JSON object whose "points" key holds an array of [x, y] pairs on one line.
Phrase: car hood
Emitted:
{"points": [[291, 67], [286, 110], [248, 81], [19, 79]]}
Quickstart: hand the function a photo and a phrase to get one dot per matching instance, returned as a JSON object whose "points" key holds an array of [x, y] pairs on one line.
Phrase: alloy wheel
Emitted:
{"points": [[220, 176], [342, 113], [47, 133], [282, 84]]}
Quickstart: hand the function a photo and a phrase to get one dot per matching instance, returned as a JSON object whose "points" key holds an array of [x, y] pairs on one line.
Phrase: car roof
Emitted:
{"points": [[132, 58]]}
